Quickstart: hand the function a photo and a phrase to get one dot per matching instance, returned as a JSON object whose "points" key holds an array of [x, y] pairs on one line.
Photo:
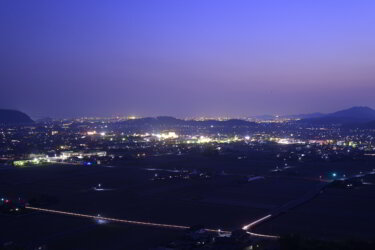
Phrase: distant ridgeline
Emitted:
{"points": [[13, 117], [356, 117], [171, 121]]}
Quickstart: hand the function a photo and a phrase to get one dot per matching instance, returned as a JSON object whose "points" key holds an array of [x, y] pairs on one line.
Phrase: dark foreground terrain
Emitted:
{"points": [[225, 199]]}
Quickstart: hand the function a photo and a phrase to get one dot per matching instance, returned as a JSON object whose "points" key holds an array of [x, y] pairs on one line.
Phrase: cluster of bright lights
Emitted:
{"points": [[57, 158], [287, 141], [204, 139], [141, 135], [166, 136], [34, 161], [284, 141]]}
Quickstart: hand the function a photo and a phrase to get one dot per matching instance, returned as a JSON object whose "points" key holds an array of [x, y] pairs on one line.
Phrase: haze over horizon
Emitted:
{"points": [[186, 58]]}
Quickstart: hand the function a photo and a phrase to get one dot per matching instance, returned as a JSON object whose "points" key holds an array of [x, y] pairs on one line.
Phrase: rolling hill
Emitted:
{"points": [[13, 117], [354, 115]]}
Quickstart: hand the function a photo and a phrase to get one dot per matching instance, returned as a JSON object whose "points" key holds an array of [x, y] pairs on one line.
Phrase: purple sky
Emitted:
{"points": [[186, 58]]}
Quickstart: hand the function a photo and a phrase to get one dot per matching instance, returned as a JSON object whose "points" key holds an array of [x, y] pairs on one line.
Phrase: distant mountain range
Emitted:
{"points": [[356, 116], [305, 116], [14, 117], [352, 117], [172, 121]]}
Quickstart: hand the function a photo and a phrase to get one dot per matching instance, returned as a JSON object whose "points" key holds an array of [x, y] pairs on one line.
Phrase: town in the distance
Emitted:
{"points": [[198, 183]]}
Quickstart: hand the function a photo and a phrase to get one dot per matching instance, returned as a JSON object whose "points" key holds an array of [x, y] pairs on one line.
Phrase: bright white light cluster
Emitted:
{"points": [[165, 136]]}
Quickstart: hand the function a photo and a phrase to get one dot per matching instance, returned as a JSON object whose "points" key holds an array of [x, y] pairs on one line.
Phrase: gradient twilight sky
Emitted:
{"points": [[186, 57]]}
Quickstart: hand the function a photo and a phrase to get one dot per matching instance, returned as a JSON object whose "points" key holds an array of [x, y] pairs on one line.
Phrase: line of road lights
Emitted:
{"points": [[103, 220]]}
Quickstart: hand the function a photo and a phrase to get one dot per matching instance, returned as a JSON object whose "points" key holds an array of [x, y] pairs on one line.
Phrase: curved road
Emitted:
{"points": [[286, 207]]}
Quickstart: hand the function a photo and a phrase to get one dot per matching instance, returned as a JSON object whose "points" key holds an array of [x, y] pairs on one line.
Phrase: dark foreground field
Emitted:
{"points": [[225, 201]]}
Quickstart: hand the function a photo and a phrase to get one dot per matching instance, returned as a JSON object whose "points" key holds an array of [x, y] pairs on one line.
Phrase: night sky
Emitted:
{"points": [[186, 58]]}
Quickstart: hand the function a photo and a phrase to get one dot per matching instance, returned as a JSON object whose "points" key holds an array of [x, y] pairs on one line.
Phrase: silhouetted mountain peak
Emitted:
{"points": [[8, 116], [356, 112], [351, 115]]}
